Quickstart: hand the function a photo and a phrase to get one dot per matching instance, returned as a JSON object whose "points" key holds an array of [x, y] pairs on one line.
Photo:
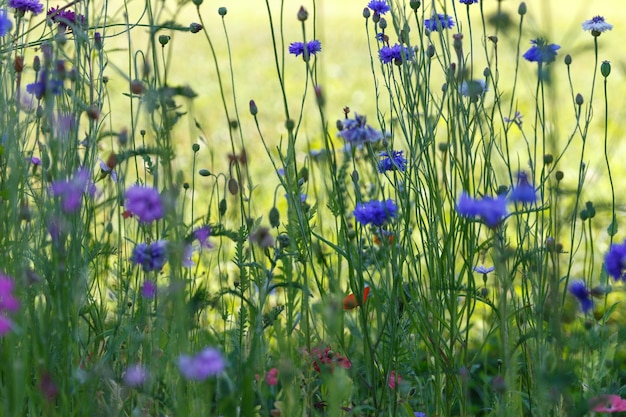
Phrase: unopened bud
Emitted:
{"points": [[568, 59], [253, 108], [376, 17], [579, 99], [195, 147], [222, 11], [521, 10], [222, 206], [274, 217], [605, 68], [382, 23], [559, 175], [548, 159], [36, 63], [195, 27], [413, 4], [430, 51], [290, 125], [303, 15], [204, 172], [366, 13], [164, 39], [233, 186]]}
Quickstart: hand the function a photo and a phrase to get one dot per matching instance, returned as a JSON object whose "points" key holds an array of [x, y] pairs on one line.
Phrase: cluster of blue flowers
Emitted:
{"points": [[438, 22], [357, 132], [376, 213], [396, 53], [395, 161], [312, 48]]}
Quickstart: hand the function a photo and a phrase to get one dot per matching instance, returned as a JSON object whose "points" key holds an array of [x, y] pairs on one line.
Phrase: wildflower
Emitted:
{"points": [[151, 256], [580, 291], [517, 119], [608, 404], [135, 375], [394, 379], [615, 260], [65, 18], [473, 89], [6, 325], [328, 359], [483, 269], [395, 54], [357, 132], [350, 302], [378, 6], [375, 212], [419, 414], [381, 37], [271, 377], [489, 209], [438, 22], [145, 203], [187, 260], [148, 289], [5, 23], [208, 362], [392, 162], [468, 1], [202, 234], [312, 47], [72, 190], [35, 161], [8, 303], [107, 168], [262, 237], [596, 25], [23, 6], [523, 192], [45, 85], [541, 51]]}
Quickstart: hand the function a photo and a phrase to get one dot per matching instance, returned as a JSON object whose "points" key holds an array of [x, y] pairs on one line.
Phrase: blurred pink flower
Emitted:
{"points": [[271, 377], [394, 380], [608, 404]]}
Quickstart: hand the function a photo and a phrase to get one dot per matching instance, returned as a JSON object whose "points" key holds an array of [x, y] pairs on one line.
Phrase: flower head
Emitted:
{"points": [[23, 6], [473, 88], [541, 51], [596, 25], [312, 48], [71, 191], [271, 377], [65, 18], [394, 380], [202, 234], [327, 359], [523, 192], [395, 54], [376, 213], [145, 203], [482, 269], [439, 22], [579, 290], [5, 23], [615, 261], [8, 301], [378, 6], [135, 375], [491, 210], [608, 404], [151, 256], [208, 362], [45, 85], [357, 132], [148, 289], [468, 1], [392, 162]]}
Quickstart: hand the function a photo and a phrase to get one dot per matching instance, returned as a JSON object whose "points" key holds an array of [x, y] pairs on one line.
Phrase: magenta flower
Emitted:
{"points": [[208, 362], [271, 377], [608, 404], [148, 289], [145, 203]]}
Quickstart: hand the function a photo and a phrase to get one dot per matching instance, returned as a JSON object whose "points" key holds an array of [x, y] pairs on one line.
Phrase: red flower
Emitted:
{"points": [[350, 302], [328, 359]]}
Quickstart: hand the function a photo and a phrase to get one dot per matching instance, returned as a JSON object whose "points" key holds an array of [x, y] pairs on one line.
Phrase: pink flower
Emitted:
{"points": [[271, 377], [608, 404], [394, 379], [6, 325]]}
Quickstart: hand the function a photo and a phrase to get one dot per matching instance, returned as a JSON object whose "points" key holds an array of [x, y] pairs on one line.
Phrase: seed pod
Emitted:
{"points": [[233, 186]]}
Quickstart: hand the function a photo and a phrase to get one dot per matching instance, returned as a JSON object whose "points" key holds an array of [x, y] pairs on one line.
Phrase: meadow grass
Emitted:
{"points": [[206, 212]]}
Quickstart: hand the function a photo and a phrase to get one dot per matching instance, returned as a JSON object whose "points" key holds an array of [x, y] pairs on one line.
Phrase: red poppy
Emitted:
{"points": [[350, 302]]}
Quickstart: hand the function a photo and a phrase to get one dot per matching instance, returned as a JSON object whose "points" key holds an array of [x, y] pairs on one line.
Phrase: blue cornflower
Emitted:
{"points": [[312, 47], [145, 203], [468, 1], [392, 162], [615, 261], [396, 53], [541, 51], [5, 23], [491, 210], [482, 269], [357, 132], [24, 6], [580, 291], [71, 191], [439, 22], [151, 257], [375, 212], [46, 84], [381, 37], [378, 6], [597, 25], [208, 362], [523, 192]]}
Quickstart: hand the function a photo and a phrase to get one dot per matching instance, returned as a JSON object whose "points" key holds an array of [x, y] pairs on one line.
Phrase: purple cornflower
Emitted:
{"points": [[135, 375], [65, 18], [357, 132], [523, 192], [145, 203], [71, 191], [376, 213], [597, 25], [107, 170], [580, 291], [148, 289], [419, 414], [439, 22], [378, 6], [541, 51], [151, 257], [5, 23], [468, 1], [517, 119], [491, 210], [6, 325], [23, 6], [396, 54], [482, 269], [202, 234], [35, 161], [8, 303], [312, 47], [208, 362], [46, 84], [392, 162], [615, 261]]}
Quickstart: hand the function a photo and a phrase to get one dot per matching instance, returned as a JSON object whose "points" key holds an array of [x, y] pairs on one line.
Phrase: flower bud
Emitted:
{"points": [[36, 63], [195, 147], [521, 10], [204, 172], [274, 217], [382, 23], [233, 186], [605, 68], [195, 27], [222, 11], [579, 99], [97, 40], [559, 175], [430, 51], [366, 13], [197, 2], [164, 39], [376, 17], [253, 108], [18, 64], [290, 125], [568, 59], [222, 206], [303, 15], [413, 4], [548, 159]]}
